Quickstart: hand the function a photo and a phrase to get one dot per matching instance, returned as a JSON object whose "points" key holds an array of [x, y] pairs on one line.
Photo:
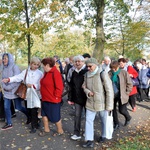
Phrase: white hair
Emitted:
{"points": [[78, 57], [107, 58]]}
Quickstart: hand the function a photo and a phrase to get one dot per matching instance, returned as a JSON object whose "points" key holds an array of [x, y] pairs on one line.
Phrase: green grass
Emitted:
{"points": [[133, 143]]}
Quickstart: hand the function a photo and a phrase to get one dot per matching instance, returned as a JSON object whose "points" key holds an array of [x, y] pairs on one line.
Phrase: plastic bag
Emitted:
{"points": [[109, 125], [32, 98]]}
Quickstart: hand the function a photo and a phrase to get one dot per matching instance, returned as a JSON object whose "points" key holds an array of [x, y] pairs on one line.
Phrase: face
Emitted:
{"points": [[143, 62], [91, 67], [122, 64], [34, 66], [107, 62], [79, 64], [46, 68], [5, 60]]}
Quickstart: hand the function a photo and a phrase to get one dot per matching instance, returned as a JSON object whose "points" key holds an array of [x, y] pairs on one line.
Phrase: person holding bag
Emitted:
{"points": [[32, 80], [100, 96]]}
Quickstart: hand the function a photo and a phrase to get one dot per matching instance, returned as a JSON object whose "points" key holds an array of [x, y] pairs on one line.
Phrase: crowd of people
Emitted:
{"points": [[92, 88]]}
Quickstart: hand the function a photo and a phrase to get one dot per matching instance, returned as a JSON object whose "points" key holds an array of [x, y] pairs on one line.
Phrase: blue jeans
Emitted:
{"points": [[7, 107]]}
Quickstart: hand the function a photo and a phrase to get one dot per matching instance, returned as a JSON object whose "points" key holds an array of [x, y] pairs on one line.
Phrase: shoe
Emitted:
{"points": [[6, 127], [75, 137], [134, 109], [101, 139], [88, 144], [2, 119], [33, 130], [28, 121], [58, 134], [127, 122], [13, 116], [116, 126], [43, 133]]}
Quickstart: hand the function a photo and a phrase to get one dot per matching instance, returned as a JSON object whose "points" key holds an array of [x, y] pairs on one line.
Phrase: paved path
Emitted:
{"points": [[19, 137]]}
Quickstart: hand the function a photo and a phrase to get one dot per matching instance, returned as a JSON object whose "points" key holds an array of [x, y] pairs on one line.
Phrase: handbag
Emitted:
{"points": [[109, 125], [33, 100], [135, 81], [22, 89]]}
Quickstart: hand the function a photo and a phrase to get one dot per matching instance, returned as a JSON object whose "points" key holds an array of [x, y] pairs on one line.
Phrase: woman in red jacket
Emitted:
{"points": [[133, 74], [51, 91]]}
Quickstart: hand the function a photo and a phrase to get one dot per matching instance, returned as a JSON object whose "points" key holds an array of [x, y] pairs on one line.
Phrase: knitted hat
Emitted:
{"points": [[91, 61]]}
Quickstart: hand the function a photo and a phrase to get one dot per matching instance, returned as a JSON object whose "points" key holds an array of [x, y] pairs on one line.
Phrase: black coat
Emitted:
{"points": [[77, 94]]}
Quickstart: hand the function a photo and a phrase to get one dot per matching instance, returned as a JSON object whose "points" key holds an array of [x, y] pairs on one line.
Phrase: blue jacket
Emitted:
{"points": [[148, 73], [143, 78], [10, 70]]}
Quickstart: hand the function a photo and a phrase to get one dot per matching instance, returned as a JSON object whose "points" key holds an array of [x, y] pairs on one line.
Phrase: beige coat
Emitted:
{"points": [[102, 99], [125, 85]]}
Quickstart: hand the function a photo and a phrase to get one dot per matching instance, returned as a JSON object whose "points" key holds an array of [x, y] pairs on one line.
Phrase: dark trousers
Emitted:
{"points": [[143, 93], [77, 121], [122, 109], [33, 116], [132, 100]]}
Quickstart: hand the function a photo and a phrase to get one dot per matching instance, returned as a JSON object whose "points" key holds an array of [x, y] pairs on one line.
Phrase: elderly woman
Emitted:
{"points": [[10, 69], [51, 92], [33, 76], [122, 81], [133, 74], [78, 96], [99, 91]]}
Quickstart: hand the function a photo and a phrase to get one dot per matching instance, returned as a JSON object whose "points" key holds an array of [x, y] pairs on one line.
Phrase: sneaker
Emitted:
{"points": [[75, 137], [6, 127]]}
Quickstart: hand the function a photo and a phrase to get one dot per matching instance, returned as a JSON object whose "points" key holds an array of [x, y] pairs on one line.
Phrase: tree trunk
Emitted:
{"points": [[28, 34], [100, 38]]}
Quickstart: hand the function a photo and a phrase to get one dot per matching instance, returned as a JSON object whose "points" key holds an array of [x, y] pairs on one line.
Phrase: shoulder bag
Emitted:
{"points": [[22, 89]]}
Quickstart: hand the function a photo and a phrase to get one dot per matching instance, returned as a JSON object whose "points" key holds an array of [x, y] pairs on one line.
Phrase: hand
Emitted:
{"points": [[131, 75], [90, 94], [70, 103], [83, 86], [29, 85], [6, 80]]}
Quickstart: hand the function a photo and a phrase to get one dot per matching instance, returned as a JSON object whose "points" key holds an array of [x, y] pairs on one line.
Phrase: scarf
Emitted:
{"points": [[90, 74], [115, 78]]}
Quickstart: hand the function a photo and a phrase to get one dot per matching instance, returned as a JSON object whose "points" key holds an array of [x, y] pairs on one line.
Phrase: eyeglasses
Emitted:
{"points": [[90, 66]]}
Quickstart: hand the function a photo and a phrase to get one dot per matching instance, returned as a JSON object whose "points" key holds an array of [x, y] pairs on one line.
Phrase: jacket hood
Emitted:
{"points": [[10, 59]]}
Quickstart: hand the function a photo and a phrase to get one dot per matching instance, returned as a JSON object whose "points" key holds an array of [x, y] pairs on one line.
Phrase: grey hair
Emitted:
{"points": [[78, 57], [107, 58]]}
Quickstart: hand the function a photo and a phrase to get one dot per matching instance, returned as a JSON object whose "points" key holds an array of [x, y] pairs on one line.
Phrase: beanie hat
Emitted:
{"points": [[92, 61], [86, 55]]}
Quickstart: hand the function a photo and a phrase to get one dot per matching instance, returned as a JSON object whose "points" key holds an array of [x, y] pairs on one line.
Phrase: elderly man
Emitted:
{"points": [[106, 64]]}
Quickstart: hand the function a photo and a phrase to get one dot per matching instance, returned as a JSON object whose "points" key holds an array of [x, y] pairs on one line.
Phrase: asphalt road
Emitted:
{"points": [[19, 138]]}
